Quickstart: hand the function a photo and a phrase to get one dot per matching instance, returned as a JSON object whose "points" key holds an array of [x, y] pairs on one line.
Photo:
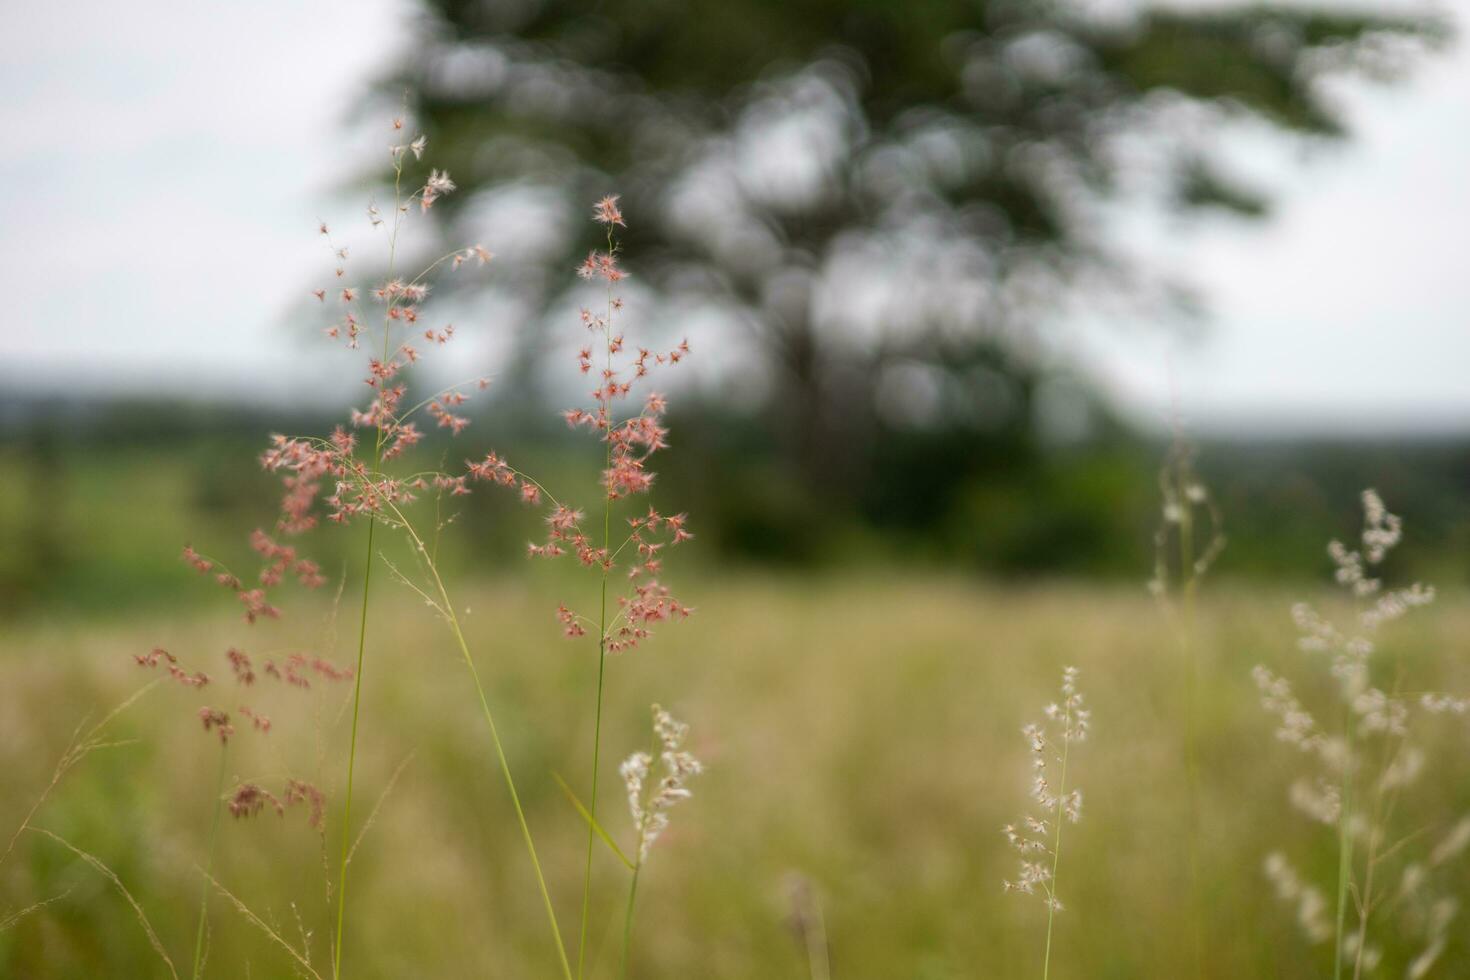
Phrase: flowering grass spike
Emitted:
{"points": [[1038, 838]]}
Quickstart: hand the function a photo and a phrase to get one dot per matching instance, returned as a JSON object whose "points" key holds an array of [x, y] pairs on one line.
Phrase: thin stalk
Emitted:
{"points": [[1344, 847], [367, 579], [1056, 849], [219, 792], [601, 641], [1381, 816], [628, 923], [510, 784], [1191, 756], [446, 608], [818, 958], [596, 761], [1365, 906]]}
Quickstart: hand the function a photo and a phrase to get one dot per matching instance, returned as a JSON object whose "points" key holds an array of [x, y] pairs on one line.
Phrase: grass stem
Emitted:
{"points": [[219, 792], [628, 923], [1189, 575], [367, 579], [446, 607], [1344, 848], [601, 654], [1056, 849]]}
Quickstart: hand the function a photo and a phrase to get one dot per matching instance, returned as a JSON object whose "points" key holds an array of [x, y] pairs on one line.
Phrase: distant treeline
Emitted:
{"points": [[99, 497]]}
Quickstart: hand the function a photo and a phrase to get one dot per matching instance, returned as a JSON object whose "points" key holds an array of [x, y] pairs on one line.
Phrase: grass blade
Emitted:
{"points": [[596, 827]]}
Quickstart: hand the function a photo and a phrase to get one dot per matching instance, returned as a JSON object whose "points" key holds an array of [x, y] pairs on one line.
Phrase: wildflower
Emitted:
{"points": [[260, 722], [240, 664], [606, 211], [249, 799], [152, 658], [568, 619], [217, 721], [601, 265], [200, 563], [438, 185], [314, 799], [329, 671]]}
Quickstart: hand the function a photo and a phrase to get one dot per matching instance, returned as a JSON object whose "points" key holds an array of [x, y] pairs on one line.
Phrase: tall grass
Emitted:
{"points": [[1039, 838], [366, 488], [860, 737], [1187, 543], [1361, 769]]}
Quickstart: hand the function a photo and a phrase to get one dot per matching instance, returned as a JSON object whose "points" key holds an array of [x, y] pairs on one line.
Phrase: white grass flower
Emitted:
{"points": [[1439, 704], [1382, 531], [1320, 800], [1453, 844], [649, 806], [1039, 844], [1364, 770], [1311, 905], [1296, 726]]}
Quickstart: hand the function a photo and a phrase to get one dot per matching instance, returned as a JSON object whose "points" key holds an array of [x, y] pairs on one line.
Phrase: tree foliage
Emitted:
{"points": [[886, 196]]}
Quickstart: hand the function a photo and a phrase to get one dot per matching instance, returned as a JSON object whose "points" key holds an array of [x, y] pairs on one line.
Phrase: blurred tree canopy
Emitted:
{"points": [[879, 201]]}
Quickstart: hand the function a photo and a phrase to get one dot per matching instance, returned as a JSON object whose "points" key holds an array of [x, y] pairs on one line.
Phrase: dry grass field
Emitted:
{"points": [[863, 748]]}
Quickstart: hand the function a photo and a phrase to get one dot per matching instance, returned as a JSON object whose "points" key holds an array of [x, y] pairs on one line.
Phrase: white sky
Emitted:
{"points": [[165, 164]]}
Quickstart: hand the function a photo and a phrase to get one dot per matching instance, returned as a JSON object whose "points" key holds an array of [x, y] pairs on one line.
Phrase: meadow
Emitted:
{"points": [[846, 772], [861, 736]]}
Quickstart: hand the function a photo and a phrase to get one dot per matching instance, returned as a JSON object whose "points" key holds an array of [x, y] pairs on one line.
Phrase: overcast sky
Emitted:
{"points": [[165, 164]]}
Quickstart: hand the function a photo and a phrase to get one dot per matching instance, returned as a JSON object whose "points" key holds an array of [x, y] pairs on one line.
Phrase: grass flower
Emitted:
{"points": [[1360, 771], [649, 801], [631, 431], [350, 476], [1038, 838], [248, 798]]}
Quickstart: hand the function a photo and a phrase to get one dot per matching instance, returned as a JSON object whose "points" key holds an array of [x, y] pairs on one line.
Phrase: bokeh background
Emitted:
{"points": [[955, 274]]}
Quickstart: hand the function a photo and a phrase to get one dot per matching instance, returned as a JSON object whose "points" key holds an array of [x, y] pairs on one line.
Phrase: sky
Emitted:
{"points": [[166, 164]]}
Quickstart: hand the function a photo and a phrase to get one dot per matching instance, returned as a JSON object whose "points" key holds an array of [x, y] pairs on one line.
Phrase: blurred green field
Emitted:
{"points": [[860, 732], [93, 514]]}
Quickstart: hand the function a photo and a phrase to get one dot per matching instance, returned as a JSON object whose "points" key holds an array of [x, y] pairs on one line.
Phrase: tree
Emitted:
{"points": [[888, 195]]}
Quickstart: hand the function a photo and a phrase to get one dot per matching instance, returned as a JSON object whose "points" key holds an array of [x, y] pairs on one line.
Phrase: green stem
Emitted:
{"points": [[1056, 849], [596, 762], [628, 922], [1344, 848], [367, 579], [1191, 752], [1379, 825], [510, 784], [818, 958], [447, 609], [219, 792], [601, 647]]}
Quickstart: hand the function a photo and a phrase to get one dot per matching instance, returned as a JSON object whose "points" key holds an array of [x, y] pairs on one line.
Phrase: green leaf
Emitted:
{"points": [[606, 838]]}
